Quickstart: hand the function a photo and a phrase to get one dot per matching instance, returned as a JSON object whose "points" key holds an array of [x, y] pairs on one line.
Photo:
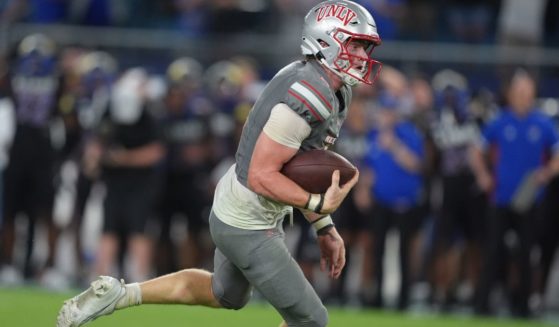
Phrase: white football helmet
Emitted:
{"points": [[327, 31], [39, 43], [184, 69]]}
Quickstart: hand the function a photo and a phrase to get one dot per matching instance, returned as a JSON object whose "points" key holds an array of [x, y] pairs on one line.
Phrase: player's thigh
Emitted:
{"points": [[279, 278], [276, 275], [230, 287], [265, 262]]}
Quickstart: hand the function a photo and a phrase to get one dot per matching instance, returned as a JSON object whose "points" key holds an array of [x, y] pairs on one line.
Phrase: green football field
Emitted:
{"points": [[32, 307]]}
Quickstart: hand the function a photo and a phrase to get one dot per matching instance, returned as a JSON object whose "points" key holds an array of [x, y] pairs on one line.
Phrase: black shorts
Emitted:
{"points": [[463, 211], [186, 194], [129, 204], [29, 176], [350, 218], [386, 217]]}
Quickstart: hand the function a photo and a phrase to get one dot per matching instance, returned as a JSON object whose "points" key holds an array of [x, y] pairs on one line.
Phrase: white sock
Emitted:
{"points": [[132, 296]]}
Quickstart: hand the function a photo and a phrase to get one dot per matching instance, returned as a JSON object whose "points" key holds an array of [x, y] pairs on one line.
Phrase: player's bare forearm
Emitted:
{"points": [[265, 178], [277, 187], [332, 252]]}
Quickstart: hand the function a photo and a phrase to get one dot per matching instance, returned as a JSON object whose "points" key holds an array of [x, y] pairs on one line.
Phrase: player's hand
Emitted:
{"points": [[332, 253], [336, 193]]}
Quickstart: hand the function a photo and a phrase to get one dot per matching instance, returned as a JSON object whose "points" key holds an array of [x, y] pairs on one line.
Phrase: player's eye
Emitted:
{"points": [[357, 45]]}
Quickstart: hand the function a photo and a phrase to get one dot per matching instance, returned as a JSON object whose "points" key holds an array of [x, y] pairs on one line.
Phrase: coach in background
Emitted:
{"points": [[519, 139]]}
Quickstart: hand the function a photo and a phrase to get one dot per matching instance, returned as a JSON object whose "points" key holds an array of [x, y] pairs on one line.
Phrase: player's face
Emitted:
{"points": [[358, 49]]}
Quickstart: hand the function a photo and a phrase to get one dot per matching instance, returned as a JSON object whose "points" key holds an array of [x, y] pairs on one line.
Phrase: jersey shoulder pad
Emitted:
{"points": [[311, 99]]}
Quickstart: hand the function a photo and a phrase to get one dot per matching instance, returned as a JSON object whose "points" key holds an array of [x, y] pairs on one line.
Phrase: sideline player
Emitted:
{"points": [[301, 108]]}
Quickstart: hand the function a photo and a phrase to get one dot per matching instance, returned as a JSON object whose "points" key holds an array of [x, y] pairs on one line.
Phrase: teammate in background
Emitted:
{"points": [[521, 137], [458, 229], [96, 72], [129, 150], [29, 185], [186, 189], [301, 108]]}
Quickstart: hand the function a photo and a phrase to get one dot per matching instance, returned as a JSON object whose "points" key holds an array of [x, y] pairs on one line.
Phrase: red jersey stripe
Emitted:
{"points": [[318, 93], [317, 116]]}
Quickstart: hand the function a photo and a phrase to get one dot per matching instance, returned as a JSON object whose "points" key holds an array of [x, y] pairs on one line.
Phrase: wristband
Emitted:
{"points": [[313, 201], [318, 208], [323, 224]]}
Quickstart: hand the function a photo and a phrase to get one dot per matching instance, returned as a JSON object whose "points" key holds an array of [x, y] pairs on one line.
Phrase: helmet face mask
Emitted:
{"points": [[354, 67], [329, 30]]}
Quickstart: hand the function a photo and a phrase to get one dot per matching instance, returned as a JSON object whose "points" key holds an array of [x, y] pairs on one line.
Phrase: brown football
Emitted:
{"points": [[312, 169]]}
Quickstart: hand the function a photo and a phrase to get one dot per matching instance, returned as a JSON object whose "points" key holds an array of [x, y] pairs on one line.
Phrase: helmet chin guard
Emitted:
{"points": [[328, 30]]}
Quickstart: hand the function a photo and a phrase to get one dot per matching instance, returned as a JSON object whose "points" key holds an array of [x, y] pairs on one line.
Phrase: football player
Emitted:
{"points": [[301, 108], [29, 187]]}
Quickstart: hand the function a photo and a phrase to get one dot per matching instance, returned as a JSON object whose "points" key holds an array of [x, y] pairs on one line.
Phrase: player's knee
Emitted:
{"points": [[236, 303], [233, 297]]}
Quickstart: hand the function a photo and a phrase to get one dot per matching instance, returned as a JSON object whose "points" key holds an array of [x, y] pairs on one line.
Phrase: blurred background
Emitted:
{"points": [[117, 118]]}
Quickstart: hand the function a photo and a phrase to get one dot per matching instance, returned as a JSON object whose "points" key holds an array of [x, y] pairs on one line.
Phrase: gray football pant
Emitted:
{"points": [[259, 258]]}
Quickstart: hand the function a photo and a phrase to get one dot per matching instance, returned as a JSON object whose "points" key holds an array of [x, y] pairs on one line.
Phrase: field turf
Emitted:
{"points": [[31, 307]]}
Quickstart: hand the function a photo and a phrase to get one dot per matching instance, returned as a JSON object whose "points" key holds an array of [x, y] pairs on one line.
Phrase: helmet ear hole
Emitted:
{"points": [[323, 43]]}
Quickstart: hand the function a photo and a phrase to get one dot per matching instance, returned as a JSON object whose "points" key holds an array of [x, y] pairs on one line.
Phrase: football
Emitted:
{"points": [[312, 169]]}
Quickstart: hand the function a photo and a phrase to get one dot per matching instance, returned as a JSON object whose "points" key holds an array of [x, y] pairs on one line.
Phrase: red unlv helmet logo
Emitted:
{"points": [[342, 13]]}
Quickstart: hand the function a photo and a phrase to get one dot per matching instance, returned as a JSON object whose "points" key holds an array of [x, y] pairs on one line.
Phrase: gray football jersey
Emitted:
{"points": [[303, 86]]}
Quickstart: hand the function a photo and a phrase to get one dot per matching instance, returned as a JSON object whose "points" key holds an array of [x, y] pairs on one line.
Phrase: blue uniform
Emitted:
{"points": [[523, 143], [394, 186]]}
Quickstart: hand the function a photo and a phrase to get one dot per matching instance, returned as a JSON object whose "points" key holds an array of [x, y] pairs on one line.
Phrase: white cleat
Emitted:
{"points": [[98, 300]]}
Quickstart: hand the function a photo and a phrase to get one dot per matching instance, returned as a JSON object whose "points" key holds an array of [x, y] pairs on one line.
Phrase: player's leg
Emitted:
{"points": [[114, 207], [14, 198], [84, 185], [382, 218], [188, 286], [265, 261], [140, 248], [138, 209], [494, 256], [107, 294]]}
